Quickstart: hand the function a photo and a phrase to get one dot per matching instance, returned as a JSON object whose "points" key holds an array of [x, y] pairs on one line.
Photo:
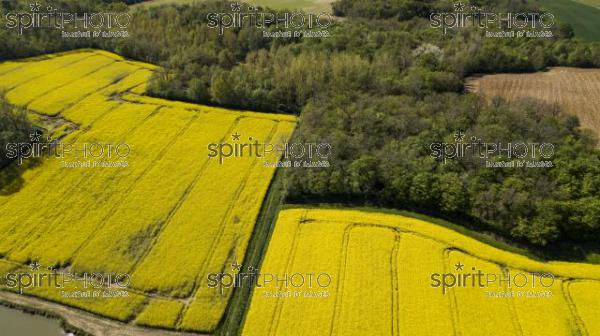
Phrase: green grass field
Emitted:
{"points": [[585, 18], [593, 3]]}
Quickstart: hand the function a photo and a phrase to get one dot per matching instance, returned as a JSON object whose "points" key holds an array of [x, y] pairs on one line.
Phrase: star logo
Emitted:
{"points": [[236, 136], [35, 136], [236, 7], [459, 7], [236, 267], [459, 266], [35, 266], [35, 7], [459, 136]]}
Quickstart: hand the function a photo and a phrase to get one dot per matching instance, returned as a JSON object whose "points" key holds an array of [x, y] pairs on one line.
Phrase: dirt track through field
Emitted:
{"points": [[93, 324]]}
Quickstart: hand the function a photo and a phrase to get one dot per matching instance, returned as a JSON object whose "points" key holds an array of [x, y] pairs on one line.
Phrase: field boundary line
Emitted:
{"points": [[395, 286], [341, 277], [235, 316], [577, 322], [291, 257], [454, 313], [205, 108], [511, 302]]}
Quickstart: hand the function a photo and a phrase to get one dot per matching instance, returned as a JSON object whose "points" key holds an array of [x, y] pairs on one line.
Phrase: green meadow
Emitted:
{"points": [[584, 16]]}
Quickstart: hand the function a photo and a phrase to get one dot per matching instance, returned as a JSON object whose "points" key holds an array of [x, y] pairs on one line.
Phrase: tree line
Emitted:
{"points": [[380, 90]]}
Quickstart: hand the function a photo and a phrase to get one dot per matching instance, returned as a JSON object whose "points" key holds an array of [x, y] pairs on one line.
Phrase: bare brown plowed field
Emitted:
{"points": [[576, 90]]}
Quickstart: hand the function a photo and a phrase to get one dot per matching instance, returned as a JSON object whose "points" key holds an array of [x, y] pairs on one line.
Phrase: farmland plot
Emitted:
{"points": [[384, 269], [576, 90], [166, 218]]}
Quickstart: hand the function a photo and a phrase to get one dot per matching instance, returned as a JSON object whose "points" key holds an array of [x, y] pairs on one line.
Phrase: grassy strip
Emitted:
{"points": [[233, 319]]}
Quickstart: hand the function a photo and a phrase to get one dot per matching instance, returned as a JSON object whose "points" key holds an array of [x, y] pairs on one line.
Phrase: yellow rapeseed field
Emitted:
{"points": [[160, 313], [167, 218], [383, 269]]}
